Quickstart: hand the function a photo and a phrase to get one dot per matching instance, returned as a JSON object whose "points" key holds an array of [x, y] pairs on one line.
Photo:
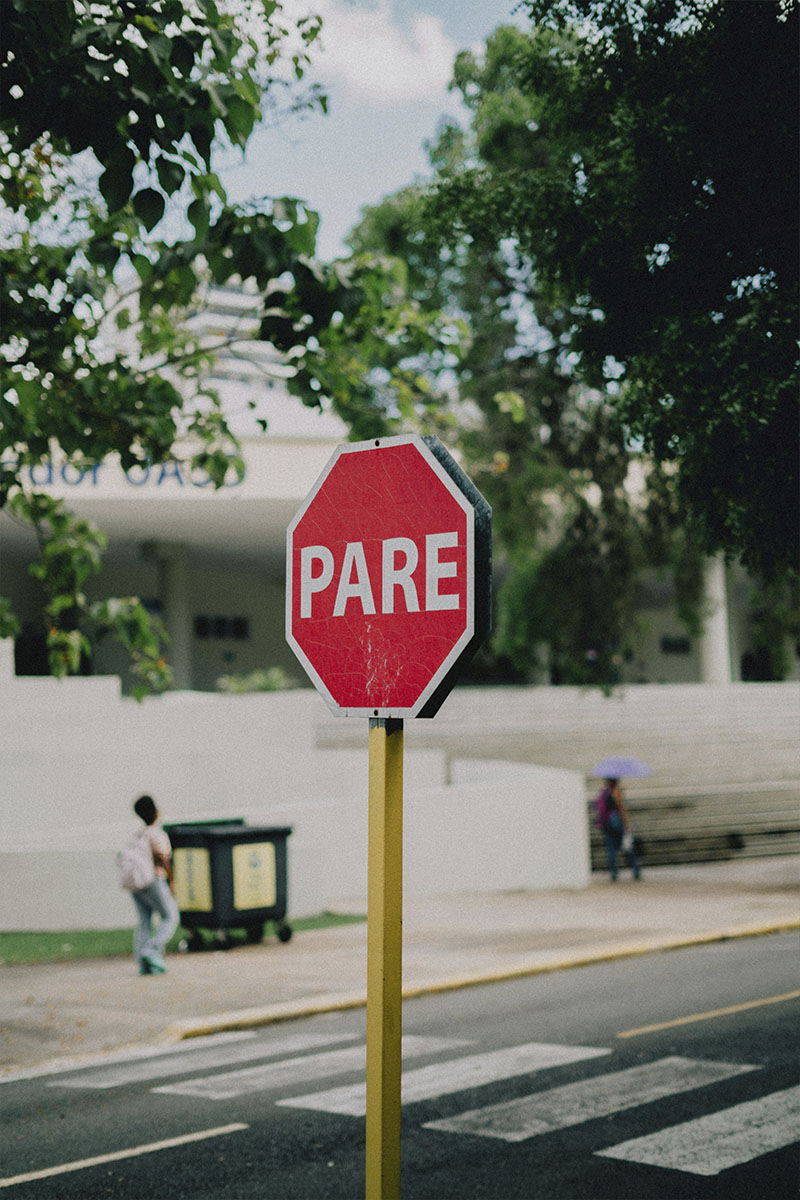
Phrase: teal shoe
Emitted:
{"points": [[155, 966], [144, 966]]}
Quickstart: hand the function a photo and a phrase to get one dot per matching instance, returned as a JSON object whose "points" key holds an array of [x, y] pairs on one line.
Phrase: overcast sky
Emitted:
{"points": [[385, 65]]}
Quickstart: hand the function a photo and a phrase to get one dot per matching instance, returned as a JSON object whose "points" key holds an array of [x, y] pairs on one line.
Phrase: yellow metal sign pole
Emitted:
{"points": [[384, 958]]}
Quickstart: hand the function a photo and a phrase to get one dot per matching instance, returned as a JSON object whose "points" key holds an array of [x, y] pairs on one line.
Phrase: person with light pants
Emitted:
{"points": [[155, 904]]}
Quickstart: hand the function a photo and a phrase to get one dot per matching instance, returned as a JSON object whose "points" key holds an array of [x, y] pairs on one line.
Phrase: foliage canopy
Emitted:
{"points": [[114, 223], [644, 157], [549, 453]]}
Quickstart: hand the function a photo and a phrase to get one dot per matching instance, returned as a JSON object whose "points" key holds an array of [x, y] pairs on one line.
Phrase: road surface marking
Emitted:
{"points": [[441, 1079], [721, 1140], [287, 1072], [588, 1099], [708, 1016], [85, 1062], [203, 1060], [118, 1155]]}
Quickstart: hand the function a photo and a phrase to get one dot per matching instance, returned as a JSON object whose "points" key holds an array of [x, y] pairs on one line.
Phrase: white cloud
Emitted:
{"points": [[364, 48]]}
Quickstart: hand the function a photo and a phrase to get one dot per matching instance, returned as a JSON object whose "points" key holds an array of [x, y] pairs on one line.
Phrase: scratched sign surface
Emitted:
{"points": [[388, 577]]}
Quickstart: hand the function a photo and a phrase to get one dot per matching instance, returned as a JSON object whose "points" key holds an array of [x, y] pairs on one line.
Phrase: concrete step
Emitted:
{"points": [[677, 850], [704, 828], [768, 809], [699, 826], [690, 734]]}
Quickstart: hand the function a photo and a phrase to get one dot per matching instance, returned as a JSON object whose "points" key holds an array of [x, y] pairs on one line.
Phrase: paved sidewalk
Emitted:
{"points": [[78, 1009]]}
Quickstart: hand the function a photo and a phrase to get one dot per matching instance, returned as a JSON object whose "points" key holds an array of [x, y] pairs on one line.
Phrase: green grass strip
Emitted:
{"points": [[17, 948]]}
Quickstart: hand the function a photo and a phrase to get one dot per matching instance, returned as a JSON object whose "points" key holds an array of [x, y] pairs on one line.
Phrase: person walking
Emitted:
{"points": [[155, 903], [612, 818]]}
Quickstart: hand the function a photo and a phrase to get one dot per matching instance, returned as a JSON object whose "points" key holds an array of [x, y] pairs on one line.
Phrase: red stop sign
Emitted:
{"points": [[388, 577]]}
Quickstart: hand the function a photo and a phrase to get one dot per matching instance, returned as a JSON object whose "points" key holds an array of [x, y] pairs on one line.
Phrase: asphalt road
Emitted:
{"points": [[668, 1076]]}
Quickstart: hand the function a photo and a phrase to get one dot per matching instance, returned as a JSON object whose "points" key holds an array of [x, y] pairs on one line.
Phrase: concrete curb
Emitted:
{"points": [[273, 1014], [311, 1006]]}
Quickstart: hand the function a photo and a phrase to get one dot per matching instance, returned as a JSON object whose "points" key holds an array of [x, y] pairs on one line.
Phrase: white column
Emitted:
{"points": [[715, 644], [171, 559]]}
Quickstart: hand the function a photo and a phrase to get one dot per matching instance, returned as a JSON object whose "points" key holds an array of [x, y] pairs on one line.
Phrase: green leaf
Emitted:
{"points": [[182, 54], [28, 391], [239, 120], [197, 213], [160, 49], [512, 404], [9, 625], [170, 174], [303, 237], [116, 182], [201, 134], [148, 204], [143, 267]]}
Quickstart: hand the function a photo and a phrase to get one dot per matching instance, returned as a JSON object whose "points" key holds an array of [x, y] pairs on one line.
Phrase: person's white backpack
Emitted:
{"points": [[135, 863]]}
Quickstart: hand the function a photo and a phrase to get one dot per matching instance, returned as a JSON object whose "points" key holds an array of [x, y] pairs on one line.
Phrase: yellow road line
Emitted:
{"points": [[118, 1155], [707, 1016]]}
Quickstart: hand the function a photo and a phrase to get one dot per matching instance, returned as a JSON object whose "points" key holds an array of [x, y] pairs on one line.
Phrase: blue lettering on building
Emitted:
{"points": [[72, 481], [44, 474], [35, 473], [137, 482], [170, 470]]}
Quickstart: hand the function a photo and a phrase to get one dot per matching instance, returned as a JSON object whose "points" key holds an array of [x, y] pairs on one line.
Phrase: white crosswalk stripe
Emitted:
{"points": [[291, 1071], [704, 1146], [131, 1054], [476, 1070], [588, 1099], [202, 1060], [719, 1140]]}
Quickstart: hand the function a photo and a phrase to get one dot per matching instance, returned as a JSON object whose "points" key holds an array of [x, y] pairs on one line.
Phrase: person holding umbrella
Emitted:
{"points": [[611, 815]]}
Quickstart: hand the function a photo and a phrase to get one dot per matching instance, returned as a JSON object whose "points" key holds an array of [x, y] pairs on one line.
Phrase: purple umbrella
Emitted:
{"points": [[618, 767]]}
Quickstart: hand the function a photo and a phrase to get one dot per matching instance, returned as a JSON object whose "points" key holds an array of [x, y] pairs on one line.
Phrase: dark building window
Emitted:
{"points": [[676, 645], [222, 628]]}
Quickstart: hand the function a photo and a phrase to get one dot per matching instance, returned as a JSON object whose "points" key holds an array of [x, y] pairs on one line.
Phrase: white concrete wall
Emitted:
{"points": [[497, 826], [75, 754], [692, 734]]}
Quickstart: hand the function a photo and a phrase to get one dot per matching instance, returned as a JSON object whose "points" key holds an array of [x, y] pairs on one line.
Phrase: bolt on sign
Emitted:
{"points": [[388, 577]]}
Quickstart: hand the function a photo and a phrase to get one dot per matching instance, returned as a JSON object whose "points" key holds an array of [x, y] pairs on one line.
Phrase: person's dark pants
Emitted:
{"points": [[613, 834]]}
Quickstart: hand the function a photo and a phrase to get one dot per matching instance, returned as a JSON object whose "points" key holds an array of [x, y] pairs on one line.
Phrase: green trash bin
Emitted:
{"points": [[229, 875]]}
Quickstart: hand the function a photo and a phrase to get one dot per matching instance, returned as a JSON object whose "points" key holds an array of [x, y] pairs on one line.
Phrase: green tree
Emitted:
{"points": [[114, 221], [643, 156], [550, 454]]}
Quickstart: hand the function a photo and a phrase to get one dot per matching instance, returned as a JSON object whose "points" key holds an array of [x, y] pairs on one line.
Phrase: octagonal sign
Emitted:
{"points": [[388, 577]]}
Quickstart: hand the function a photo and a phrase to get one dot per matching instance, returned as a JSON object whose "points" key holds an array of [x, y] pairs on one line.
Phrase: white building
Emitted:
{"points": [[211, 563]]}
